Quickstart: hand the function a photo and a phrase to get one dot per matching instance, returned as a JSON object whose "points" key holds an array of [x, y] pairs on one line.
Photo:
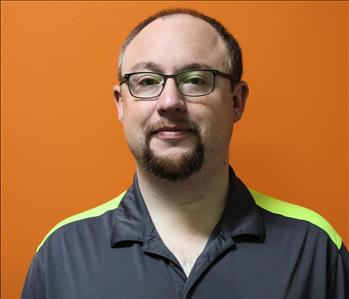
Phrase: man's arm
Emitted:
{"points": [[339, 287], [35, 283]]}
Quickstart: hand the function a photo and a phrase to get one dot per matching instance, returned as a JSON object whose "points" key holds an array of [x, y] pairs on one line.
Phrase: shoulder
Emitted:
{"points": [[83, 218], [300, 218]]}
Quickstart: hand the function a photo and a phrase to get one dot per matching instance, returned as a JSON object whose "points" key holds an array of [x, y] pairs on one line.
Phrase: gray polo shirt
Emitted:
{"points": [[261, 248]]}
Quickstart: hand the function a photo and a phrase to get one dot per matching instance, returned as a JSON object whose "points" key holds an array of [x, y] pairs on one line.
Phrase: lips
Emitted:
{"points": [[172, 132], [172, 129]]}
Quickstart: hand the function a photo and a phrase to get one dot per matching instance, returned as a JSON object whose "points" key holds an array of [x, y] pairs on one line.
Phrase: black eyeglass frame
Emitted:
{"points": [[174, 76]]}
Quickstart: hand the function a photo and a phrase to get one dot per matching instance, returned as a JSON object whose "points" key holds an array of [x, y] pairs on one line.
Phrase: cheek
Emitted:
{"points": [[136, 116], [133, 126], [216, 126], [219, 115]]}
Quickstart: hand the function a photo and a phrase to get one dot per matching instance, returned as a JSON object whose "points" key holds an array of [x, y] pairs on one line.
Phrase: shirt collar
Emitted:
{"points": [[241, 215], [132, 222]]}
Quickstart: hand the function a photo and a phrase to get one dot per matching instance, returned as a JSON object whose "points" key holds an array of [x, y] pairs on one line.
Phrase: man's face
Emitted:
{"points": [[174, 135]]}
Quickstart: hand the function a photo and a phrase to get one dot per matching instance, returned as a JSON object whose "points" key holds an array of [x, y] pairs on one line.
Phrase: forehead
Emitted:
{"points": [[173, 42]]}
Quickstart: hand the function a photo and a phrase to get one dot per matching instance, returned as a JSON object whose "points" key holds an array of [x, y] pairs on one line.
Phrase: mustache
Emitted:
{"points": [[183, 124]]}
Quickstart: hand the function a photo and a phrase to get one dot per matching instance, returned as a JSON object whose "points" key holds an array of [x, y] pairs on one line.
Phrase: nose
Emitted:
{"points": [[171, 100]]}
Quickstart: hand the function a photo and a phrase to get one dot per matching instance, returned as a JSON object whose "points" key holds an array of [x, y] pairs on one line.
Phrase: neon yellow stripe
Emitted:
{"points": [[293, 211], [266, 202], [94, 212]]}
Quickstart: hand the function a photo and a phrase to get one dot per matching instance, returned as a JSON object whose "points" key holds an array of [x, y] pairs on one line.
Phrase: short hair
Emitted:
{"points": [[234, 50]]}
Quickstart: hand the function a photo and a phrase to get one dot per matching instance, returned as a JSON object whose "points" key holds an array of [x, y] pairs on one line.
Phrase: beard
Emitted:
{"points": [[172, 168]]}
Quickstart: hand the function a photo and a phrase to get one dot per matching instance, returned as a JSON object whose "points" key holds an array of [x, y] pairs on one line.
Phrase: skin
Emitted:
{"points": [[170, 47]]}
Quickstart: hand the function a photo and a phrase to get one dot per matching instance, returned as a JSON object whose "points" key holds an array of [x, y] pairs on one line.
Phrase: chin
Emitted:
{"points": [[176, 166]]}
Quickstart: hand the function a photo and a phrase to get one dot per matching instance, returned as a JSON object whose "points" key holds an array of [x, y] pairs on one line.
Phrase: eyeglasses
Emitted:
{"points": [[192, 83]]}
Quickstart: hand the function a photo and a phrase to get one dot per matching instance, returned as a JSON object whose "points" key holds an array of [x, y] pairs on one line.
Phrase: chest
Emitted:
{"points": [[223, 270], [186, 251]]}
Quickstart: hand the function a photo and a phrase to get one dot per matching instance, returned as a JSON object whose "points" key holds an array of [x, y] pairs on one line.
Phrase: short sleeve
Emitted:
{"points": [[35, 283], [340, 275]]}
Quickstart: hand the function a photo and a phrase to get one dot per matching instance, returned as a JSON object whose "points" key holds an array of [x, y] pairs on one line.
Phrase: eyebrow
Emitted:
{"points": [[197, 66], [147, 65], [151, 66]]}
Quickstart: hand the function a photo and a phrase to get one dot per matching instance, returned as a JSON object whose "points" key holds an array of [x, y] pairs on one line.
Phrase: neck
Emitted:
{"points": [[203, 195]]}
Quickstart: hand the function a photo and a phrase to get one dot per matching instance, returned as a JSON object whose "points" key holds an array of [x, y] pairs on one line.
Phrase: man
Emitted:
{"points": [[187, 227]]}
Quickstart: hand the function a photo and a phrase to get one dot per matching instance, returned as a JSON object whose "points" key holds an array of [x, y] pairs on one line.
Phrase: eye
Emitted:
{"points": [[195, 81], [148, 80], [194, 78]]}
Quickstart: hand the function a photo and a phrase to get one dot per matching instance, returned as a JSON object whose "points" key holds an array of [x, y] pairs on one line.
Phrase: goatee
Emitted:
{"points": [[173, 168]]}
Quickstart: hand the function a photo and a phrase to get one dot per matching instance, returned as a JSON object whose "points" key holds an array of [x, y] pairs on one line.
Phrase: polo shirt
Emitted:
{"points": [[261, 248]]}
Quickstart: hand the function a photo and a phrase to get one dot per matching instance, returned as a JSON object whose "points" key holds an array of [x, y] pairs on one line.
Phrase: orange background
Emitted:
{"points": [[63, 149]]}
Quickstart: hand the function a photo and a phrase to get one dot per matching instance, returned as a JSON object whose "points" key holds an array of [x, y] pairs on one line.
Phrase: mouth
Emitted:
{"points": [[172, 132]]}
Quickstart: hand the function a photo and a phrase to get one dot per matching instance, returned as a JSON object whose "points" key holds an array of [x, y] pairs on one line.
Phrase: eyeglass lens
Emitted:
{"points": [[190, 83]]}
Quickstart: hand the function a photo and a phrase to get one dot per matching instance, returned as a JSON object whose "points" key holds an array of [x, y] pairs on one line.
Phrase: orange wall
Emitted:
{"points": [[63, 149]]}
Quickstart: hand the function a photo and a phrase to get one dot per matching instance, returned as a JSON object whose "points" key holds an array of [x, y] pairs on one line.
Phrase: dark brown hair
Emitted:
{"points": [[233, 47]]}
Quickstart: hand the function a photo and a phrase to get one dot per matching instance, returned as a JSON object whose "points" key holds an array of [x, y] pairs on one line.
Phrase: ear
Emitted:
{"points": [[240, 95], [118, 102]]}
